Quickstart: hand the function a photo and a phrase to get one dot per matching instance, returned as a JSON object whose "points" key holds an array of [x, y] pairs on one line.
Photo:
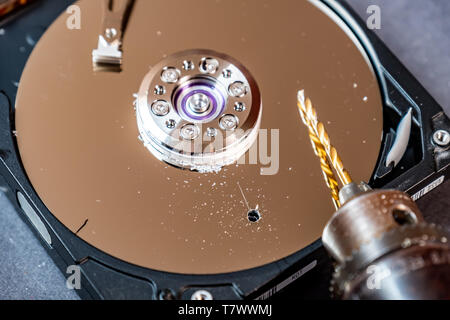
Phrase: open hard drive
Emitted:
{"points": [[156, 145]]}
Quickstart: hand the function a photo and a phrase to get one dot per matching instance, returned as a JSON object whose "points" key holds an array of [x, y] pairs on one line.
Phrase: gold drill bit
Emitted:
{"points": [[324, 162], [319, 130]]}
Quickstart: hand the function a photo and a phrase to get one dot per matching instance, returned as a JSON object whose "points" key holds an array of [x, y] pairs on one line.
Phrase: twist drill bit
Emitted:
{"points": [[321, 153], [319, 129]]}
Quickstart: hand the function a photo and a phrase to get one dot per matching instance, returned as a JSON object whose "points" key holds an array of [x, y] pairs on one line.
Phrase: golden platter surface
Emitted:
{"points": [[77, 133]]}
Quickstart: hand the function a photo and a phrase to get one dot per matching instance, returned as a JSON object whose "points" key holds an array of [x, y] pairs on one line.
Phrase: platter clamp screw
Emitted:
{"points": [[170, 75], [190, 132], [202, 295], [238, 89], [161, 108], [209, 65], [229, 122], [441, 138]]}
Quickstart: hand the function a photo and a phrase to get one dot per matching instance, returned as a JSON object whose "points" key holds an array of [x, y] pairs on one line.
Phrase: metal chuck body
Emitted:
{"points": [[384, 250]]}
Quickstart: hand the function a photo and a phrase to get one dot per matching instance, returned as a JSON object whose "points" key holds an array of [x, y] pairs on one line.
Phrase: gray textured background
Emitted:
{"points": [[417, 31]]}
